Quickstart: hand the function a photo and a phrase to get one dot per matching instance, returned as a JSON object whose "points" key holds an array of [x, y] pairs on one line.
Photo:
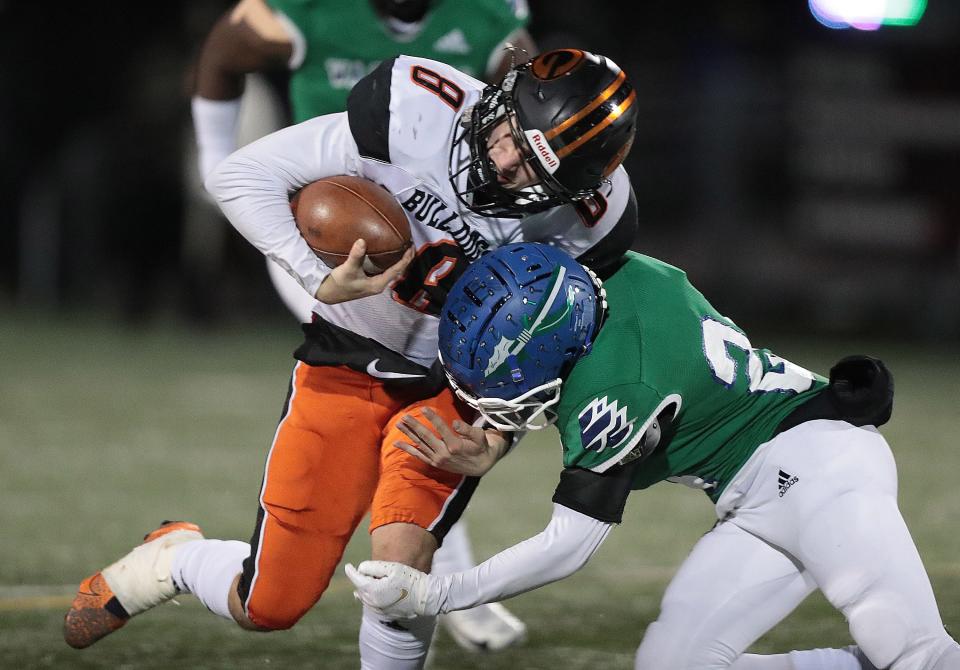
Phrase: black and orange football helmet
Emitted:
{"points": [[573, 115]]}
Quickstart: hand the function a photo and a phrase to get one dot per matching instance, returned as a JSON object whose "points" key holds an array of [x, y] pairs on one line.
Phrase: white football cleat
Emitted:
{"points": [[489, 627], [140, 580]]}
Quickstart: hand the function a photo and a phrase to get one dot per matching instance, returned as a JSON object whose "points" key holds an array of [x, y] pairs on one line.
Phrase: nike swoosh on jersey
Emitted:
{"points": [[373, 371]]}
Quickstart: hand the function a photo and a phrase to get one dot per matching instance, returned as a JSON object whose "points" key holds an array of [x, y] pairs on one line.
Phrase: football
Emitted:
{"points": [[334, 212]]}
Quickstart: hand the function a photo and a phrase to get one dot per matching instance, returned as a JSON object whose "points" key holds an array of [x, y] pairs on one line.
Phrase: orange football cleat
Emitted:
{"points": [[140, 580]]}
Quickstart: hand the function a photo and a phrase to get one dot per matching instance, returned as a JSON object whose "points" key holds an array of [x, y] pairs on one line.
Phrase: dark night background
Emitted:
{"points": [[804, 177]]}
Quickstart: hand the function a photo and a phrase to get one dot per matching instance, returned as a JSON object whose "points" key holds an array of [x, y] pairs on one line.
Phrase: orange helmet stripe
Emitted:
{"points": [[611, 117], [596, 102]]}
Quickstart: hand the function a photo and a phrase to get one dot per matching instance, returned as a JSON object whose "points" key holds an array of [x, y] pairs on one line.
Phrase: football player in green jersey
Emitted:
{"points": [[649, 383], [327, 46]]}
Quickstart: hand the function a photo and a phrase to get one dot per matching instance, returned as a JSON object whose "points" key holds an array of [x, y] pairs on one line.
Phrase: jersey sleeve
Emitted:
{"points": [[407, 108], [368, 111], [606, 430], [253, 185]]}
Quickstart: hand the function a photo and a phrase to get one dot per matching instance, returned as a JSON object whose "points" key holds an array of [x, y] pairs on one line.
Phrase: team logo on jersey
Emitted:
{"points": [[545, 319], [603, 424], [433, 211], [453, 42]]}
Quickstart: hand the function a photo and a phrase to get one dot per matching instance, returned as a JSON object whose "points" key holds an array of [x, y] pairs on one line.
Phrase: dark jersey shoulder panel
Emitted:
{"points": [[604, 256], [368, 112]]}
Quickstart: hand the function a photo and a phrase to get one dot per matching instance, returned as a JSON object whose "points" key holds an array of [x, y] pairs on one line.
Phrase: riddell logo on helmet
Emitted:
{"points": [[548, 159]]}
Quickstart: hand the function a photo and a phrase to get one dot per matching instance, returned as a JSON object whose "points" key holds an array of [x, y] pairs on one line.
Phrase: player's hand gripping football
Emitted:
{"points": [[461, 448], [349, 281], [393, 589]]}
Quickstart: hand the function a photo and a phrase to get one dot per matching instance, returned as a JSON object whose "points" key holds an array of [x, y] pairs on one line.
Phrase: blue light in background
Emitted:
{"points": [[867, 14]]}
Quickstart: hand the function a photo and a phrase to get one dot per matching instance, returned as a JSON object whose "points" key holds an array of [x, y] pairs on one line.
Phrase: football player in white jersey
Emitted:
{"points": [[310, 39], [537, 157]]}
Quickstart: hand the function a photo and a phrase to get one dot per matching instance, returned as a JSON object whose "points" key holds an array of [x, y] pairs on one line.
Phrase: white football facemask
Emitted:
{"points": [[531, 411]]}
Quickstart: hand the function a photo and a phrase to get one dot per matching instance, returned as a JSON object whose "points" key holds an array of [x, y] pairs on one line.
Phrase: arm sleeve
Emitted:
{"points": [[564, 546], [253, 186], [215, 125]]}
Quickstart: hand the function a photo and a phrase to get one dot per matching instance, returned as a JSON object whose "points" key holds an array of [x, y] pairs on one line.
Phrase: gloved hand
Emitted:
{"points": [[394, 589]]}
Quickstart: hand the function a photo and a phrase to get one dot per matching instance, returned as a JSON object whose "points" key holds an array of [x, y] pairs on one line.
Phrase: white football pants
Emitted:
{"points": [[815, 507]]}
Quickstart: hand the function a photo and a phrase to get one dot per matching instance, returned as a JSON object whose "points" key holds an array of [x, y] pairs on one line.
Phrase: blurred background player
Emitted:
{"points": [[327, 46]]}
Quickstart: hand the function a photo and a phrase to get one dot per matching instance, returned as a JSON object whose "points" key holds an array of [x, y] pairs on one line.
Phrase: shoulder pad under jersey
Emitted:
{"points": [[409, 108]]}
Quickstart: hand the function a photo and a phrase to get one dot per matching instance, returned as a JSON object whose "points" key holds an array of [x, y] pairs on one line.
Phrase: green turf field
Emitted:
{"points": [[105, 431]]}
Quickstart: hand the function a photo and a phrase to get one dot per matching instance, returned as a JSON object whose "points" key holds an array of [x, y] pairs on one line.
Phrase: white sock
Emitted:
{"points": [[394, 645], [207, 568], [455, 554]]}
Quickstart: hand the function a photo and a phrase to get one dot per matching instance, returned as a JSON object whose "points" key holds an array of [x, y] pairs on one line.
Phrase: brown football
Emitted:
{"points": [[334, 212]]}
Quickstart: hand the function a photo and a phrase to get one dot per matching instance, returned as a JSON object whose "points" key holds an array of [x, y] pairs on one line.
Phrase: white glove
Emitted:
{"points": [[394, 589]]}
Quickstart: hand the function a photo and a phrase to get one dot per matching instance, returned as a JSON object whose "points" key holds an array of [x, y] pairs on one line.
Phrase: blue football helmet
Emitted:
{"points": [[513, 326]]}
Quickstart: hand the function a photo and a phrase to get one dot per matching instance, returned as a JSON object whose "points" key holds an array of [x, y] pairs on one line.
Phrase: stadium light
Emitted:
{"points": [[867, 14]]}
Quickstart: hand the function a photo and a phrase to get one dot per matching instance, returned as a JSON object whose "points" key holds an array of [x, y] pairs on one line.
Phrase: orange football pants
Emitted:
{"points": [[331, 461]]}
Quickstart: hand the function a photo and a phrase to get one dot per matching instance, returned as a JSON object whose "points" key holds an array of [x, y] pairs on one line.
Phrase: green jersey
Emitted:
{"points": [[665, 348], [338, 42]]}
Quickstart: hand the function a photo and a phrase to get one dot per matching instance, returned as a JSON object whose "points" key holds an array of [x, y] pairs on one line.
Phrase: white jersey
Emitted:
{"points": [[398, 130]]}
